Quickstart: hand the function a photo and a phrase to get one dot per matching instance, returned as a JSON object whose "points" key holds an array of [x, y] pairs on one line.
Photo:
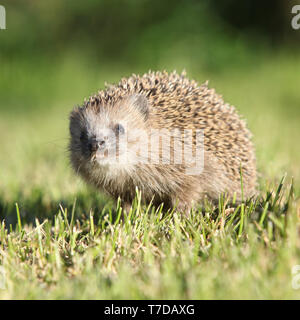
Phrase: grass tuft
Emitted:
{"points": [[155, 254]]}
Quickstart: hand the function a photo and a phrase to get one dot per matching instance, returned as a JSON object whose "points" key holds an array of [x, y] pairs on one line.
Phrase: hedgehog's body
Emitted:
{"points": [[162, 101]]}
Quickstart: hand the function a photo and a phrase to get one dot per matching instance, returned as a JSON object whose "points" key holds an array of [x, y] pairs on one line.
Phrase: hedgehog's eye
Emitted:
{"points": [[83, 136], [119, 129]]}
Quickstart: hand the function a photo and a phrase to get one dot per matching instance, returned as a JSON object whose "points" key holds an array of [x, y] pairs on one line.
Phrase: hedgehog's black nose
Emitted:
{"points": [[95, 144], [101, 143]]}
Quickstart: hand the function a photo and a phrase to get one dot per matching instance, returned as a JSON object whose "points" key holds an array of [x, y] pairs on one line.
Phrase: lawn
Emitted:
{"points": [[59, 239]]}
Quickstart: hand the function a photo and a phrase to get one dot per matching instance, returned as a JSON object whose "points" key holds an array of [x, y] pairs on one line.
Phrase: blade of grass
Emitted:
{"points": [[263, 216], [19, 218]]}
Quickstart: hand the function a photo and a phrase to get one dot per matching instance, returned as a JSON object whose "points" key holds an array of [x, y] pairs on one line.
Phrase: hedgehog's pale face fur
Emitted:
{"points": [[158, 100], [99, 136]]}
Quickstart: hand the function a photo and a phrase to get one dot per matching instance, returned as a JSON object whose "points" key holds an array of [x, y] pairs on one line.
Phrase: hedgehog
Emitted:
{"points": [[161, 133]]}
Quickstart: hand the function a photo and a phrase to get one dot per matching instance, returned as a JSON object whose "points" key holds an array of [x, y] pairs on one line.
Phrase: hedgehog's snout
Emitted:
{"points": [[103, 145], [96, 144]]}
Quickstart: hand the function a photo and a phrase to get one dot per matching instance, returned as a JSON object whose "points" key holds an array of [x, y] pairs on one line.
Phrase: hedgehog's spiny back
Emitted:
{"points": [[152, 85]]}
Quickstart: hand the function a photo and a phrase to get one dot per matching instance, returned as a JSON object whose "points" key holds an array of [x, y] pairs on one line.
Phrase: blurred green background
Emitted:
{"points": [[55, 53]]}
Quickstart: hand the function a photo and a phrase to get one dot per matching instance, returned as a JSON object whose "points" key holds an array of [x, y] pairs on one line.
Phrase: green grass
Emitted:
{"points": [[60, 239], [243, 252]]}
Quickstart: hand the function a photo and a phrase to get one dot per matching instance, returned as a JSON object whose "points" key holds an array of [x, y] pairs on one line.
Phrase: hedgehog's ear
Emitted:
{"points": [[140, 102]]}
